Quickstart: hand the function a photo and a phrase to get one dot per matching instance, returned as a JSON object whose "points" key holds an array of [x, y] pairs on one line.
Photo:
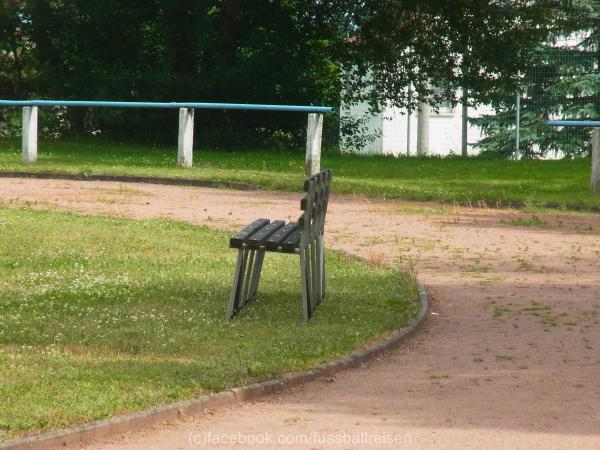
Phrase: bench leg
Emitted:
{"points": [[314, 273], [246, 278], [321, 266], [238, 283], [305, 281], [256, 270]]}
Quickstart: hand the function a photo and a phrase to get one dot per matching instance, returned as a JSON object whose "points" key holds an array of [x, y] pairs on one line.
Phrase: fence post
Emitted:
{"points": [[29, 143], [464, 142], [314, 131], [517, 125], [423, 129], [185, 140], [595, 178]]}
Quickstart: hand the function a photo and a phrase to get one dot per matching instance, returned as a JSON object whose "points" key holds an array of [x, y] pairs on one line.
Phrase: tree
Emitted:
{"points": [[15, 48], [208, 50], [16, 65], [254, 51], [440, 48], [562, 82]]}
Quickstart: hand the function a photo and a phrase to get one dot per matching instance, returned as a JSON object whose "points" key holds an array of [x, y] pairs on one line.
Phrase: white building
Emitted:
{"points": [[395, 130]]}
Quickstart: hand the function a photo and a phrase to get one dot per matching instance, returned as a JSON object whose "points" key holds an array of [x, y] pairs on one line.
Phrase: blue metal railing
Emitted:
{"points": [[574, 123], [195, 105]]}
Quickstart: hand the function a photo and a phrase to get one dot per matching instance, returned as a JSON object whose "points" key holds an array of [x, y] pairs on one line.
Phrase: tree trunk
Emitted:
{"points": [[423, 129]]}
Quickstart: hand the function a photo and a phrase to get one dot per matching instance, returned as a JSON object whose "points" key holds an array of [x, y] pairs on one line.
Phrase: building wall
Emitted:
{"points": [[374, 124], [445, 131]]}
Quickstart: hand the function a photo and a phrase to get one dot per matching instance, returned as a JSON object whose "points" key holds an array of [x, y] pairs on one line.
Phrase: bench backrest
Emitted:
{"points": [[314, 205]]}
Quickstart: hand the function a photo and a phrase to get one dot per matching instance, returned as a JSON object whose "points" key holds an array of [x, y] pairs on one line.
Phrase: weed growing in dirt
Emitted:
{"points": [[541, 310], [533, 221]]}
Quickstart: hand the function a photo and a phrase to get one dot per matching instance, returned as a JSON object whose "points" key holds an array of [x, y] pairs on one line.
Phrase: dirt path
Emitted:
{"points": [[510, 357]]}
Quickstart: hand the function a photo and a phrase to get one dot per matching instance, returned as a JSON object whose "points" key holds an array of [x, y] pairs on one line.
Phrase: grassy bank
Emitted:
{"points": [[558, 183], [100, 316]]}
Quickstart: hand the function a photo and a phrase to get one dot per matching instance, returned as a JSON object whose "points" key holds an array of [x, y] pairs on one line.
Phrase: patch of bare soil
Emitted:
{"points": [[509, 357]]}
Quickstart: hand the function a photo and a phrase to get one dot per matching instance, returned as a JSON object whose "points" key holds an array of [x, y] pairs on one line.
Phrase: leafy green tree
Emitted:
{"points": [[208, 50], [440, 48], [282, 51], [16, 65], [561, 83], [15, 48]]}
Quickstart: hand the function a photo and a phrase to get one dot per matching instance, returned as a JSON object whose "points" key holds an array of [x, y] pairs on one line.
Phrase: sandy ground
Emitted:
{"points": [[509, 357]]}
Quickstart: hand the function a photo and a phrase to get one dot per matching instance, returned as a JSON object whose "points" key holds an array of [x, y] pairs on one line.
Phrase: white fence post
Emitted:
{"points": [[185, 140], [29, 145], [423, 129], [595, 178], [314, 131]]}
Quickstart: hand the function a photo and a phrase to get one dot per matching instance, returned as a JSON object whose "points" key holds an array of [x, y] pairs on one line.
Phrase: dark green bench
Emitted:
{"points": [[304, 238]]}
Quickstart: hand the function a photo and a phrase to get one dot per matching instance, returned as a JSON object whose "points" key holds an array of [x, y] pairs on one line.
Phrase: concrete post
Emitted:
{"points": [[408, 112], [185, 141], [517, 126], [423, 129], [314, 132], [464, 152], [595, 178], [518, 122], [29, 145]]}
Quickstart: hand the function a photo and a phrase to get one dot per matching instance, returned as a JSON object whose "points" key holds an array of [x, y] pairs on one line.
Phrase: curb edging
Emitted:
{"points": [[85, 433]]}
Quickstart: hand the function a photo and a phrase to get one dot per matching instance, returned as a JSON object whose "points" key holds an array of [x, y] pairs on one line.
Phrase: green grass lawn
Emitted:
{"points": [[103, 315], [553, 183]]}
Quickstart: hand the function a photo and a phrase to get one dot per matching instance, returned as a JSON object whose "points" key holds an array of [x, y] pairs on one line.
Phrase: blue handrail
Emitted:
{"points": [[574, 123], [197, 105]]}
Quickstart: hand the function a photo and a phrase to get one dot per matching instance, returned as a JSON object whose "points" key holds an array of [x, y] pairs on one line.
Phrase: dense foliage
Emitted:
{"points": [[282, 51], [562, 82]]}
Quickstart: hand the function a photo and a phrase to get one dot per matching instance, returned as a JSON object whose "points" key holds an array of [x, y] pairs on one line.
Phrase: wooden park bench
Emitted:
{"points": [[304, 238]]}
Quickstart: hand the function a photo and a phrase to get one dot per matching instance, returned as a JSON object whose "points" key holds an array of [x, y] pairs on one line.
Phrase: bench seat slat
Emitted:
{"points": [[280, 235], [292, 242], [258, 238], [237, 240]]}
